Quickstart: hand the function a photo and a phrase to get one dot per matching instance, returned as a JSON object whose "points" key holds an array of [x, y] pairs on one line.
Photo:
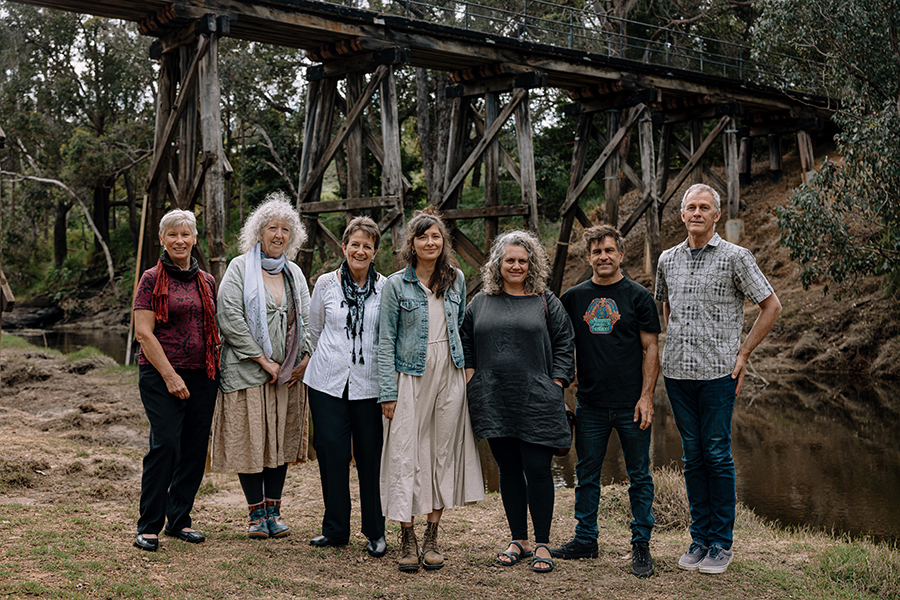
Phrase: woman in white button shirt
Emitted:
{"points": [[342, 378]]}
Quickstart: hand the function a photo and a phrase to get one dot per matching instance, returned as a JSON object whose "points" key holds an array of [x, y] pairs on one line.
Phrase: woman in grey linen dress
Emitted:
{"points": [[260, 424], [429, 461], [519, 356]]}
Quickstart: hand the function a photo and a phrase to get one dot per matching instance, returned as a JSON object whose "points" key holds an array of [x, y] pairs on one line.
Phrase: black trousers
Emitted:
{"points": [[179, 437], [525, 482], [335, 422]]}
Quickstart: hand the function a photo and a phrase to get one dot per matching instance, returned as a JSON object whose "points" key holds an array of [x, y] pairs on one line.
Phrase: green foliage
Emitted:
{"points": [[845, 223]]}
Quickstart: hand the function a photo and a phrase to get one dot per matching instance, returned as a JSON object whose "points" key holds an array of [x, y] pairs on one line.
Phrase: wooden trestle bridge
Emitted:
{"points": [[489, 52]]}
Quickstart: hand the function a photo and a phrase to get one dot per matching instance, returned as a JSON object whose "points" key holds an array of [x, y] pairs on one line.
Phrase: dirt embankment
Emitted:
{"points": [[815, 333]]}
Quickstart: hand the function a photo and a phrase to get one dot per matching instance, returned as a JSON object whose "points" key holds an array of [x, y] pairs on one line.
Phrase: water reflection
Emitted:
{"points": [[820, 451], [110, 342]]}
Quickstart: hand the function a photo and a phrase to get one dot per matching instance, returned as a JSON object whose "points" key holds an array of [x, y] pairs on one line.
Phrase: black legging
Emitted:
{"points": [[268, 484], [525, 481]]}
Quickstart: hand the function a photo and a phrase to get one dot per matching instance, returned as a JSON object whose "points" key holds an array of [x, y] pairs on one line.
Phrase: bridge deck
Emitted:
{"points": [[308, 25]]}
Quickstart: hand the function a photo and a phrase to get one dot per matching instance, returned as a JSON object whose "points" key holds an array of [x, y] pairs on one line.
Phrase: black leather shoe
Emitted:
{"points": [[191, 537], [320, 541], [376, 547], [145, 543]]}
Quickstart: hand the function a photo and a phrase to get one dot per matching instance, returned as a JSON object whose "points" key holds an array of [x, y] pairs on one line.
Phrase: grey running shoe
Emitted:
{"points": [[690, 560], [717, 560], [575, 549], [641, 561]]}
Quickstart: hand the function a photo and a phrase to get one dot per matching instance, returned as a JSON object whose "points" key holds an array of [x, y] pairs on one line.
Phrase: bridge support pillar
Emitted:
{"points": [[732, 169], [612, 185], [775, 172], [745, 157], [696, 140]]}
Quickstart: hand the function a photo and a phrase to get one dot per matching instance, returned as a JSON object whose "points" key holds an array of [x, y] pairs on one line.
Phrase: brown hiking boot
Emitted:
{"points": [[409, 550], [432, 559]]}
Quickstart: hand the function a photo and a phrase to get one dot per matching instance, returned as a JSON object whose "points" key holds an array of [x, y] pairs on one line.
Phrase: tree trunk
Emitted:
{"points": [[133, 222], [60, 247], [101, 213]]}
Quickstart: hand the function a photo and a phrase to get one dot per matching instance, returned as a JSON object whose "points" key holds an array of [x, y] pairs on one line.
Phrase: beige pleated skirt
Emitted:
{"points": [[259, 427], [429, 459]]}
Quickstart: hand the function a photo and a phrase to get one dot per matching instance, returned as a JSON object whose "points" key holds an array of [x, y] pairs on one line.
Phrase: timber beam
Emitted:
{"points": [[482, 145], [328, 206], [498, 85], [355, 45], [679, 179], [782, 128], [613, 145], [315, 176], [612, 102], [174, 40], [713, 111], [366, 63], [685, 152], [506, 158], [2, 138], [184, 92], [484, 212]]}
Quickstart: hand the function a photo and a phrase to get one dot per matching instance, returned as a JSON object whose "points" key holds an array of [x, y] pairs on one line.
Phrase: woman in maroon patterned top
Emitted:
{"points": [[174, 321]]}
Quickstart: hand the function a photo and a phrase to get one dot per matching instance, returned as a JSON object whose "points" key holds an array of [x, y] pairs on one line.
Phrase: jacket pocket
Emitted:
{"points": [[409, 312]]}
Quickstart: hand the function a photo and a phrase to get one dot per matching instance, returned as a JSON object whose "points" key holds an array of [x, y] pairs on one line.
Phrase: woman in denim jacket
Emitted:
{"points": [[429, 461]]}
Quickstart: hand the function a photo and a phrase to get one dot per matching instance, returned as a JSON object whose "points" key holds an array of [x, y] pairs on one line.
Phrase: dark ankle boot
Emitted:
{"points": [[259, 526], [277, 527]]}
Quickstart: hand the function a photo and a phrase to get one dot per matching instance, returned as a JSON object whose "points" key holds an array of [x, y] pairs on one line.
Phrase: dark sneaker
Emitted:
{"points": [[690, 560], [641, 561], [717, 560], [575, 549]]}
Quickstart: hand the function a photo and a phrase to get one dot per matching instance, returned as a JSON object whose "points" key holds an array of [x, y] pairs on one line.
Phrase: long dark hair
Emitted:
{"points": [[445, 269]]}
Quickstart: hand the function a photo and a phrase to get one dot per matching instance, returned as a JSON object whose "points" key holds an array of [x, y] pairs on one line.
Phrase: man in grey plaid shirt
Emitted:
{"points": [[702, 283]]}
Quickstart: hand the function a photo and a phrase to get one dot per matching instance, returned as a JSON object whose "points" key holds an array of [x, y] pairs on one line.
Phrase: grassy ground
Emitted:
{"points": [[70, 479]]}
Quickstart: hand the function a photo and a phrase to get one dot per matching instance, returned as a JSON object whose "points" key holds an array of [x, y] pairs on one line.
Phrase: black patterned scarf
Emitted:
{"points": [[355, 299]]}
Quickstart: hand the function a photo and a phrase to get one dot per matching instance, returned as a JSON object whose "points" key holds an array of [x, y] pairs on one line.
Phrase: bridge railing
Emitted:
{"points": [[544, 22]]}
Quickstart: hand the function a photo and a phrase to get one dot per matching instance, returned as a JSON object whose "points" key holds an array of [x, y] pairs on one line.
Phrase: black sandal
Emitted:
{"points": [[514, 557], [538, 559]]}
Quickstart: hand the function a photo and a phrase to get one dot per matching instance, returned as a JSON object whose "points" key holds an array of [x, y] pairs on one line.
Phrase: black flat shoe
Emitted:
{"points": [[144, 543], [191, 537], [320, 541], [376, 547]]}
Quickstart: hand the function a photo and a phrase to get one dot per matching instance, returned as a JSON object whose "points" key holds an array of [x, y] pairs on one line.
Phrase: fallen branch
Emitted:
{"points": [[87, 216]]}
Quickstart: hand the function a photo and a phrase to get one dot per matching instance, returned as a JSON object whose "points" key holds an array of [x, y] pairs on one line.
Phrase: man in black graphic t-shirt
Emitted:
{"points": [[617, 364]]}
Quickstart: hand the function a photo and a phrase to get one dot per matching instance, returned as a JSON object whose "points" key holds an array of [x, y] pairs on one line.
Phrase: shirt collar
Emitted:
{"points": [[714, 241], [409, 274]]}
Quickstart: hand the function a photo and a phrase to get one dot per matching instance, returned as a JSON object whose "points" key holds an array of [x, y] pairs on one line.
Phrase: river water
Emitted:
{"points": [[816, 450]]}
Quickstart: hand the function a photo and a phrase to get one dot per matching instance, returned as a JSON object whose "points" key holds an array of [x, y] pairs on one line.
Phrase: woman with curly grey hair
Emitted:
{"points": [[261, 423], [518, 344]]}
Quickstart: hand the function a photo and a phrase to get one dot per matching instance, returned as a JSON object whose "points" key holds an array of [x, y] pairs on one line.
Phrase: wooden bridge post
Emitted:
{"points": [[158, 189], [491, 170], [187, 130], [391, 174], [214, 179], [775, 172], [579, 154], [745, 158], [696, 140], [612, 187], [731, 169], [807, 156], [526, 160], [653, 246], [356, 168]]}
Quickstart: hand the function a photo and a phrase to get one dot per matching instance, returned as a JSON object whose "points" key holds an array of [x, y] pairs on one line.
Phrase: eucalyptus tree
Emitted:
{"points": [[845, 222]]}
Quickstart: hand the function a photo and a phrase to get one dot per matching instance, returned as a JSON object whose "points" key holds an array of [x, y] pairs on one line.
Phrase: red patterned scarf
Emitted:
{"points": [[160, 304]]}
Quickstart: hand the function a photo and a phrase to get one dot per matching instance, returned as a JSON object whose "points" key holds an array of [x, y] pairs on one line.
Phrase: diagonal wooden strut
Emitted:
{"points": [[679, 179], [316, 175], [482, 145], [612, 146], [180, 104]]}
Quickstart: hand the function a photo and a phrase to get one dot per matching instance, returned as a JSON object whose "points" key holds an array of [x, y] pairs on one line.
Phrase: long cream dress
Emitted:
{"points": [[430, 460]]}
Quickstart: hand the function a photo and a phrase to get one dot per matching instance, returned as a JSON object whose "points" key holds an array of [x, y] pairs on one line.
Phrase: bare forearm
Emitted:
{"points": [[770, 309]]}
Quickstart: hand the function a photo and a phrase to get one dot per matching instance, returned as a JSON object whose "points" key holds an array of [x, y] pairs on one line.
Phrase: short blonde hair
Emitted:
{"points": [[276, 206], [538, 264], [177, 218]]}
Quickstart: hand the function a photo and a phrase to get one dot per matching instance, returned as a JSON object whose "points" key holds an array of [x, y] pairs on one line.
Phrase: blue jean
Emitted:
{"points": [[591, 439], [702, 411]]}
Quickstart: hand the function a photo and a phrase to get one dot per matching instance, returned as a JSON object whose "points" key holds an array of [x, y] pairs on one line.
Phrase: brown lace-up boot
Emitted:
{"points": [[409, 550], [432, 559]]}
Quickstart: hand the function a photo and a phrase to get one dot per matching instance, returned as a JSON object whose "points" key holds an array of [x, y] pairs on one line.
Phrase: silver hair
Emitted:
{"points": [[276, 206], [702, 187], [538, 265], [177, 218]]}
